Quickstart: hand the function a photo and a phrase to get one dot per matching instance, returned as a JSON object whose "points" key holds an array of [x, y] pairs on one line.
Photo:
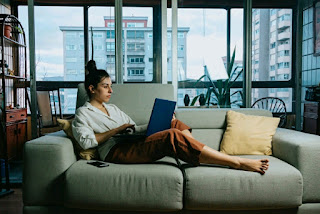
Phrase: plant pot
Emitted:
{"points": [[7, 31]]}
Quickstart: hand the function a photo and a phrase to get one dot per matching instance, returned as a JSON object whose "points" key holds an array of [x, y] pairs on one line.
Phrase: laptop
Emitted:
{"points": [[160, 119], [161, 116]]}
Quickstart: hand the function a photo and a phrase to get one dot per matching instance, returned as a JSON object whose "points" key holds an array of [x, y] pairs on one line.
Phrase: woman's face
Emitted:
{"points": [[103, 91]]}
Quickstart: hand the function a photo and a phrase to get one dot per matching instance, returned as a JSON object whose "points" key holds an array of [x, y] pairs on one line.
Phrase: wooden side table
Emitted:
{"points": [[311, 120]]}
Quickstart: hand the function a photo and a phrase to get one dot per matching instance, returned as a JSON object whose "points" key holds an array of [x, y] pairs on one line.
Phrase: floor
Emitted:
{"points": [[12, 203]]}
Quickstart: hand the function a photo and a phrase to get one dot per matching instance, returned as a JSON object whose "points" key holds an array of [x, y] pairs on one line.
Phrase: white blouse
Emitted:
{"points": [[90, 120]]}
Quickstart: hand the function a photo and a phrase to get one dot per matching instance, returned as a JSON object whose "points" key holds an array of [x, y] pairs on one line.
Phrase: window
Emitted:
{"points": [[285, 17], [97, 35], [272, 45], [110, 34], [283, 65], [110, 46], [168, 35], [286, 76], [257, 23], [135, 34], [71, 71], [110, 24], [180, 35], [272, 78], [150, 59], [256, 32], [149, 35], [71, 59], [273, 11], [135, 59], [136, 72], [135, 47], [272, 67], [71, 48], [71, 34], [111, 59], [273, 35], [98, 47], [284, 53], [180, 47]]}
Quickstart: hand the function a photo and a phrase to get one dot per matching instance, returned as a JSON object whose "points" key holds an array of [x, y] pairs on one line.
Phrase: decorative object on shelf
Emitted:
{"points": [[202, 100], [5, 66], [186, 100], [7, 31], [310, 93], [10, 72]]}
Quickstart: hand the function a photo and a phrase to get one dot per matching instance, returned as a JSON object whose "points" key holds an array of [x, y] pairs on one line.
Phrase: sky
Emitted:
{"points": [[206, 40]]}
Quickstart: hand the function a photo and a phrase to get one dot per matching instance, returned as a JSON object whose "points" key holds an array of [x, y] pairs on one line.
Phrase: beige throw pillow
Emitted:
{"points": [[87, 154], [248, 134]]}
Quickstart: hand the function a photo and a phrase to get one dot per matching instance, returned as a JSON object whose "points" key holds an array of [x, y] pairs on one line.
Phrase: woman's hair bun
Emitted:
{"points": [[91, 66]]}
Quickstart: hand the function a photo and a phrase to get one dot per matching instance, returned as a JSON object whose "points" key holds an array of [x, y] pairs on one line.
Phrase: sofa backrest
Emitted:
{"points": [[208, 124], [136, 100]]}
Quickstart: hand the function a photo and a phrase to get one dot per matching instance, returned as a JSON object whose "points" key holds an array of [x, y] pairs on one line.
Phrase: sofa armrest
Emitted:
{"points": [[303, 152], [45, 161]]}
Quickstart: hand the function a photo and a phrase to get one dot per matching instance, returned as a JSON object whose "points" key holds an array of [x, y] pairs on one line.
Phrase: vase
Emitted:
{"points": [[7, 31]]}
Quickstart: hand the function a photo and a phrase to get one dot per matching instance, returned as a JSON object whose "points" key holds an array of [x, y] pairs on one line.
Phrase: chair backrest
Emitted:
{"points": [[44, 108], [275, 105], [136, 100]]}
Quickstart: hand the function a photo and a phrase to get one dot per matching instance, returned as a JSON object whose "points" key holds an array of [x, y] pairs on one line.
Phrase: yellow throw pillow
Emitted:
{"points": [[87, 154], [248, 134]]}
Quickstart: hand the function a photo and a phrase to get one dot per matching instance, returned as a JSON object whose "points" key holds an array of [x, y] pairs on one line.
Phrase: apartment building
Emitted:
{"points": [[137, 52]]}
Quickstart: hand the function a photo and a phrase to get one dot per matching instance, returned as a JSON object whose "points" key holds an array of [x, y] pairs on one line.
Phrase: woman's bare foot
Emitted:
{"points": [[253, 165]]}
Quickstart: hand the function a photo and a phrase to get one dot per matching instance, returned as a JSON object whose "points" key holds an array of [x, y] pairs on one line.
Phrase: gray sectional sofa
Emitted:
{"points": [[56, 182]]}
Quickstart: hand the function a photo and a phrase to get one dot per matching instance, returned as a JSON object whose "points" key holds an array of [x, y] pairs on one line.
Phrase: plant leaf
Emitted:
{"points": [[194, 100], [231, 62]]}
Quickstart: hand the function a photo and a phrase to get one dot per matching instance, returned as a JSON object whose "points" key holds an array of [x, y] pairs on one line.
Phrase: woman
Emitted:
{"points": [[96, 122]]}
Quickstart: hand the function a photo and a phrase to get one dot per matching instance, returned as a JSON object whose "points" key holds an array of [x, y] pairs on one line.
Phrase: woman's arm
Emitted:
{"points": [[103, 137]]}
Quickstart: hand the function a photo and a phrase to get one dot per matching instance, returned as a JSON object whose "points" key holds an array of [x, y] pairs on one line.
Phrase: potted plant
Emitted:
{"points": [[221, 88]]}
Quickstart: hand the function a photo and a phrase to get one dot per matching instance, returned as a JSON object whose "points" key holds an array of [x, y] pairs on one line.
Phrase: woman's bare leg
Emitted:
{"points": [[211, 156]]}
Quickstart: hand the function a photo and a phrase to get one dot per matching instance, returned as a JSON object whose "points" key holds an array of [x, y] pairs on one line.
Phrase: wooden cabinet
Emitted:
{"points": [[311, 120]]}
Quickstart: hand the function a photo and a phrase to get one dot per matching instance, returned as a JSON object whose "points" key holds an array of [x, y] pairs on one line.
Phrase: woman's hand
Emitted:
{"points": [[174, 116], [125, 128]]}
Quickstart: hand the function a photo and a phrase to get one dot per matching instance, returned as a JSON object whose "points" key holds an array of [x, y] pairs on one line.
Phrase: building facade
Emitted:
{"points": [[137, 50]]}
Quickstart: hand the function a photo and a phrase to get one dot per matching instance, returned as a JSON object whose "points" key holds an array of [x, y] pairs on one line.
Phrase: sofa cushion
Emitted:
{"points": [[213, 187], [136, 187], [248, 134], [208, 118]]}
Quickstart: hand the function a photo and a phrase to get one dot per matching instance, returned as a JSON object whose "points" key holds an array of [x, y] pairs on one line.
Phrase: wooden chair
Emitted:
{"points": [[275, 105], [47, 113]]}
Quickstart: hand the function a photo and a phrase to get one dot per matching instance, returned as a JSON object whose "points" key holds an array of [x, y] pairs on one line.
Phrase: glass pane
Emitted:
{"points": [[138, 44], [271, 44], [59, 42], [202, 48]]}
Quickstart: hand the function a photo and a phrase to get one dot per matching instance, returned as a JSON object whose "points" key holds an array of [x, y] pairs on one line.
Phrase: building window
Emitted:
{"points": [[131, 34], [110, 24], [284, 53], [168, 35], [135, 59], [81, 35], [272, 67], [273, 11], [283, 65], [180, 35], [180, 47], [97, 35], [149, 35], [256, 32], [284, 17], [71, 71], [110, 34], [111, 59], [286, 76], [135, 46], [272, 45], [71, 48], [273, 35], [272, 78], [71, 34], [110, 46], [135, 72], [98, 47], [71, 59]]}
